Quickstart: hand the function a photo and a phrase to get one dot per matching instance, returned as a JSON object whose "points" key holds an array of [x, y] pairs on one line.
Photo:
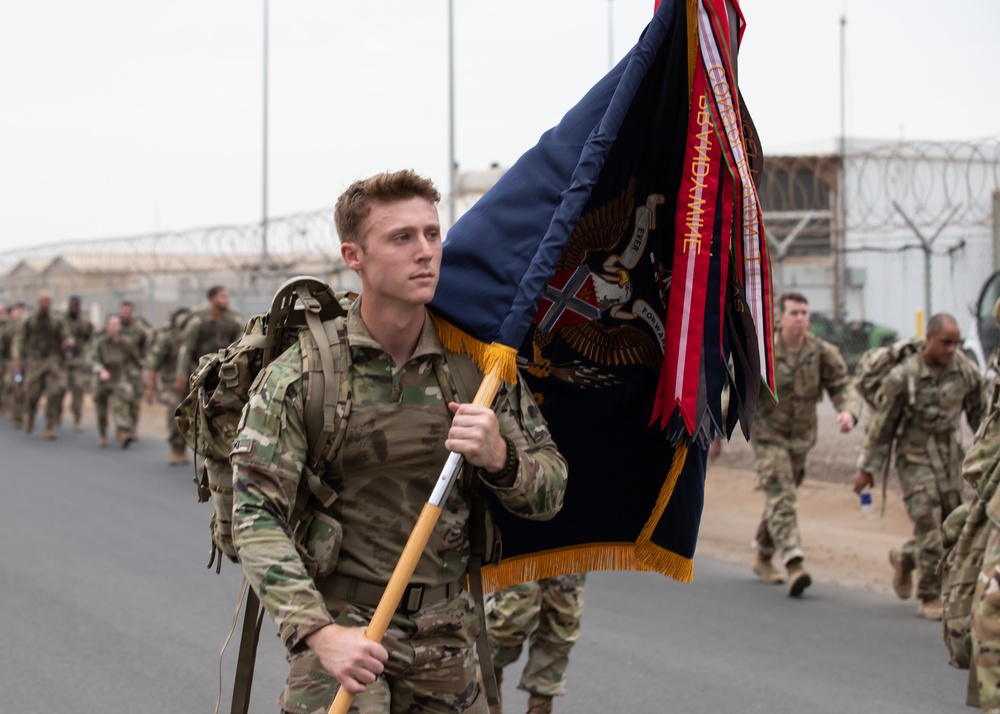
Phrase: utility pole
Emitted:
{"points": [[452, 167], [263, 219], [840, 232]]}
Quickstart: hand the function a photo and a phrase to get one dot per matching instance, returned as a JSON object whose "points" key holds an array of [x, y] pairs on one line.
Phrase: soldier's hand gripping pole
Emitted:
{"points": [[416, 543]]}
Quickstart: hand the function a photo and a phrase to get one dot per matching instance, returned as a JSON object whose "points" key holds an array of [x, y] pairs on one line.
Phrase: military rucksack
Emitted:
{"points": [[876, 363], [209, 415]]}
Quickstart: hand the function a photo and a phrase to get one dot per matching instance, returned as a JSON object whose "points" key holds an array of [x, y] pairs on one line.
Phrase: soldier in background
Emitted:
{"points": [[39, 343], [138, 332], [12, 386], [161, 368], [81, 331], [207, 331], [547, 612], [783, 433], [115, 363], [919, 407]]}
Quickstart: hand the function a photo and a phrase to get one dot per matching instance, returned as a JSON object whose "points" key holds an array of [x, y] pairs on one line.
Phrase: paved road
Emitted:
{"points": [[106, 606]]}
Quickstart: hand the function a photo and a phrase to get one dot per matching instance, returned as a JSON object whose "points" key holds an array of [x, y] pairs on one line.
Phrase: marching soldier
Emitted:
{"points": [[38, 350], [81, 331], [115, 363], [160, 380]]}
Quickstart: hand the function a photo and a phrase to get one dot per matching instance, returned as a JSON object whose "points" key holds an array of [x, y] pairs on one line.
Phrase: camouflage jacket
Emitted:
{"points": [[162, 357], [39, 337], [138, 332], [203, 335], [119, 358], [920, 407], [383, 474], [800, 379], [81, 331]]}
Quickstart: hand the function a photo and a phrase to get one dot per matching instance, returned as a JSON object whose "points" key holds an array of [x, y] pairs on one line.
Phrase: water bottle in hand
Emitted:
{"points": [[866, 503]]}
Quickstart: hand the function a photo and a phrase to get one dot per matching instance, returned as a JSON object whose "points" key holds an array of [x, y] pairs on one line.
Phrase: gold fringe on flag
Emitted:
{"points": [[641, 555], [582, 559], [495, 358]]}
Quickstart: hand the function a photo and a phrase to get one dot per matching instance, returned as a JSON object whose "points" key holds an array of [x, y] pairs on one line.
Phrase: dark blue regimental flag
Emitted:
{"points": [[614, 264]]}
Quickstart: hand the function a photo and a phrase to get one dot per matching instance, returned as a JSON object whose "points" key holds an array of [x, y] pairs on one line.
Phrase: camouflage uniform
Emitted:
{"points": [[382, 474], [204, 335], [138, 333], [12, 386], [783, 433], [980, 469], [548, 611], [81, 331], [38, 343], [122, 362], [919, 406], [163, 361]]}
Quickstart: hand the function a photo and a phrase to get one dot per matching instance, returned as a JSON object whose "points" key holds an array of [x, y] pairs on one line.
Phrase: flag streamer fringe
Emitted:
{"points": [[587, 558], [666, 491], [495, 358]]}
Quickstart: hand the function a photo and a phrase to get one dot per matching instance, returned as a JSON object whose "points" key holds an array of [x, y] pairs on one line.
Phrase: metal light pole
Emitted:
{"points": [[263, 219], [452, 168], [840, 234]]}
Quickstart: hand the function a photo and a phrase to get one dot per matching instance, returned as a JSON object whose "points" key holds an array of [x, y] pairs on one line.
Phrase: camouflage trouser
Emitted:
{"points": [[45, 376], [431, 669], [138, 387], [985, 625], [78, 383], [13, 399], [171, 400], [779, 473], [117, 396], [929, 499], [546, 611]]}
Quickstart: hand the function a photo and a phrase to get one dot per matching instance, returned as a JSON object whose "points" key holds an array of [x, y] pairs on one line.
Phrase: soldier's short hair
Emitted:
{"points": [[355, 203], [74, 298], [938, 322], [790, 296], [214, 290]]}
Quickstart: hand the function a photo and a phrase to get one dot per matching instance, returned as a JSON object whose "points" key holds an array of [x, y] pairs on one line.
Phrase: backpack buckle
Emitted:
{"points": [[310, 303]]}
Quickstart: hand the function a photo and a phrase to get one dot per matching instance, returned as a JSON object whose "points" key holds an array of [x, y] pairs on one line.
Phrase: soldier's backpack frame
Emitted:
{"points": [[209, 418]]}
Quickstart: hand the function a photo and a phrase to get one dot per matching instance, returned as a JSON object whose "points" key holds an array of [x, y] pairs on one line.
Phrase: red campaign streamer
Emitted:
{"points": [[695, 223]]}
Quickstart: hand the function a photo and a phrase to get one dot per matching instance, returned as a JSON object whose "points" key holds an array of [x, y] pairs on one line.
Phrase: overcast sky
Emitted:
{"points": [[120, 117]]}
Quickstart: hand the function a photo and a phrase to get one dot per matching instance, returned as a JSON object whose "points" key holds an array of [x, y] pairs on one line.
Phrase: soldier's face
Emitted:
{"points": [[221, 300], [114, 326], [401, 258], [942, 345], [795, 318]]}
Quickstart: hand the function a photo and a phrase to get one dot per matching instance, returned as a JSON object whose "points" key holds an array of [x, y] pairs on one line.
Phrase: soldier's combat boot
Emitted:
{"points": [[50, 433], [798, 578], [931, 609], [29, 424], [77, 424], [902, 574], [767, 572], [539, 704], [102, 440]]}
